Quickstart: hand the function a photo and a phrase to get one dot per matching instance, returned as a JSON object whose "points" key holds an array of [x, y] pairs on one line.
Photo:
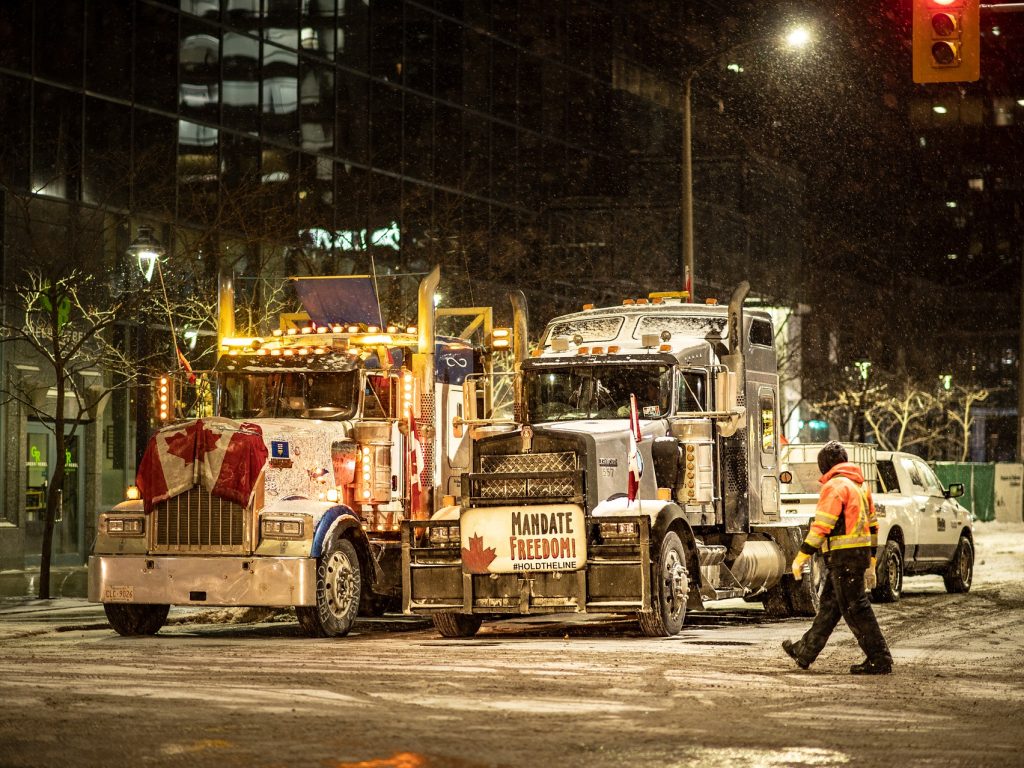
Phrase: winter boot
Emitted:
{"points": [[790, 648], [869, 667]]}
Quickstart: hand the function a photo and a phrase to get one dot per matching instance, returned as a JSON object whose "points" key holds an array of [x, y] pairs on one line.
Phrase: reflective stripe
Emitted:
{"points": [[858, 520], [847, 542]]}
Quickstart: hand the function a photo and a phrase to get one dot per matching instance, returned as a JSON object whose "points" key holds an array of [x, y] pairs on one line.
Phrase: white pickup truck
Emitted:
{"points": [[922, 529]]}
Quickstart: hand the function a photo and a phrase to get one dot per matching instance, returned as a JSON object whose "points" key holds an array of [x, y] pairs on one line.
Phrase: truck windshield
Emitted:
{"points": [[288, 394], [596, 392]]}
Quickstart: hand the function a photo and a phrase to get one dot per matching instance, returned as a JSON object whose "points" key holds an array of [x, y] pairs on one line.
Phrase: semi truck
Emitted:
{"points": [[326, 435], [546, 524]]}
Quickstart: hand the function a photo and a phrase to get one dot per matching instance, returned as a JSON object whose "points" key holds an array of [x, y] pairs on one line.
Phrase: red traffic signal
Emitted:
{"points": [[946, 41]]}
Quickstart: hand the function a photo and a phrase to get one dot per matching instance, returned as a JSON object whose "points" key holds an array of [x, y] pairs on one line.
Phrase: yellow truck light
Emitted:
{"points": [[132, 493]]}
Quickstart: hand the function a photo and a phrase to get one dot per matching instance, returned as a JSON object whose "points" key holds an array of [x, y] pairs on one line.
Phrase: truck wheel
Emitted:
{"points": [[338, 588], [961, 570], [129, 620], [669, 586], [889, 572], [457, 624], [805, 595]]}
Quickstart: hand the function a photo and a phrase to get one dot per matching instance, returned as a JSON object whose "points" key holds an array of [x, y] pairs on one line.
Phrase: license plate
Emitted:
{"points": [[119, 594]]}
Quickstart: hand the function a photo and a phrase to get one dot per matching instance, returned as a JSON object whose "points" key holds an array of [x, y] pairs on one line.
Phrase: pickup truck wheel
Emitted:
{"points": [[457, 624], [129, 620], [669, 587], [889, 573], [338, 588], [805, 595], [961, 571]]}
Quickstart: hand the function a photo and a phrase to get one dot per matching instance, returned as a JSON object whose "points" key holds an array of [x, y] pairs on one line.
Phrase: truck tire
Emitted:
{"points": [[961, 570], [669, 587], [130, 620], [805, 595], [338, 589], [889, 573], [457, 624]]}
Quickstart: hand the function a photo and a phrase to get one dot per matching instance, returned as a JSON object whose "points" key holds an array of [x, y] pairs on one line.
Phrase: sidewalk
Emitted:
{"points": [[65, 581]]}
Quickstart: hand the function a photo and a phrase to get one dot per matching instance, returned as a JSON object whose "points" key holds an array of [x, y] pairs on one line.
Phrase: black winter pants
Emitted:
{"points": [[844, 596]]}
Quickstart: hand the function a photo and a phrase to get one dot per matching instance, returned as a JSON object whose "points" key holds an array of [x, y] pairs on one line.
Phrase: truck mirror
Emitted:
{"points": [[725, 391], [457, 428], [956, 490], [469, 399]]}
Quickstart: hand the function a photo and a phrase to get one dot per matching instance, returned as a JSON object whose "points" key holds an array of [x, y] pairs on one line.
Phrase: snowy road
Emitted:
{"points": [[597, 693]]}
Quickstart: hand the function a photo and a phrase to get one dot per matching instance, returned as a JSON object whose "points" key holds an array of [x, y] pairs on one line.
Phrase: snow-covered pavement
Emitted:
{"points": [[524, 692]]}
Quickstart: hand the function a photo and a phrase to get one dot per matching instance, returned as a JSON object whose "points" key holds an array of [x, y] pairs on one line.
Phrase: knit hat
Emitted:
{"points": [[831, 453]]}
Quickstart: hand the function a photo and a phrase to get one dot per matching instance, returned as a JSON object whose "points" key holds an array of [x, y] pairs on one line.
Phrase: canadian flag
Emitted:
{"points": [[636, 460], [225, 456], [416, 465]]}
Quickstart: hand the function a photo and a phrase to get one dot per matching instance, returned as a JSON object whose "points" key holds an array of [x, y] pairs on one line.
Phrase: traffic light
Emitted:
{"points": [[947, 41], [163, 391]]}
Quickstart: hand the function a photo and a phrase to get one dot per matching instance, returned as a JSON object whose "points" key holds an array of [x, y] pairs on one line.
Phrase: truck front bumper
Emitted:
{"points": [[275, 582], [615, 579]]}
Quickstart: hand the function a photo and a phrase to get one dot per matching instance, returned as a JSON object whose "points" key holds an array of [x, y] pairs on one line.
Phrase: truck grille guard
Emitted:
{"points": [[534, 478]]}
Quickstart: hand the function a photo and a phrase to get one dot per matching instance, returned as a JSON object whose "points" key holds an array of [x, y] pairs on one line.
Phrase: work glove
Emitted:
{"points": [[870, 577], [801, 559]]}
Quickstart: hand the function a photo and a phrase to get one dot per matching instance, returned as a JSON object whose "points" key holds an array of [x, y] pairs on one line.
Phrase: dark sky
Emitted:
{"points": [[914, 232]]}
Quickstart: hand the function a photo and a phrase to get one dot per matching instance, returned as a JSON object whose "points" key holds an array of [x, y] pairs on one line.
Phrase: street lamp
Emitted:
{"points": [[796, 38], [147, 251]]}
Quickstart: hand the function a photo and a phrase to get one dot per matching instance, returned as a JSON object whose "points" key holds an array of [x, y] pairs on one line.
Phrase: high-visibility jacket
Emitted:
{"points": [[845, 517]]}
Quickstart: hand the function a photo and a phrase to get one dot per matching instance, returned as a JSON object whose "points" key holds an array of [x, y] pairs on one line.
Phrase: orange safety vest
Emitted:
{"points": [[845, 516]]}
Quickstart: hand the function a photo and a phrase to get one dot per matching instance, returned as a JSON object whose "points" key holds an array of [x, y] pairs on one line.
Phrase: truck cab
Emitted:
{"points": [[325, 438], [547, 521]]}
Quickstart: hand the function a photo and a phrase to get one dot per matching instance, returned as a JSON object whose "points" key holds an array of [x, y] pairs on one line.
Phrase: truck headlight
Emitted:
{"points": [[618, 531], [444, 535], [124, 525], [283, 527]]}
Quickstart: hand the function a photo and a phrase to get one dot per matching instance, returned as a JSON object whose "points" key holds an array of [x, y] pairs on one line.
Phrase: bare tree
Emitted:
{"points": [[61, 308], [957, 403], [901, 420]]}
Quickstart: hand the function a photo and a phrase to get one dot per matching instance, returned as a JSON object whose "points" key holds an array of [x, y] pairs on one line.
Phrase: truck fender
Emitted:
{"points": [[340, 519], [671, 518]]}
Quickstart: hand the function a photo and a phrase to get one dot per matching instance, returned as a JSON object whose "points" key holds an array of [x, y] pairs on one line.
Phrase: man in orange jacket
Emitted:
{"points": [[845, 529]]}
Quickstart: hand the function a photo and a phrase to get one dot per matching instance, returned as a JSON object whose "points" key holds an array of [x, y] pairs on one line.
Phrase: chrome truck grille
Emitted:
{"points": [[529, 477], [196, 521]]}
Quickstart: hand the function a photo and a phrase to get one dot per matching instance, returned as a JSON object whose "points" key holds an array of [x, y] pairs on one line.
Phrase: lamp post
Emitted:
{"points": [[864, 368], [146, 250], [796, 38]]}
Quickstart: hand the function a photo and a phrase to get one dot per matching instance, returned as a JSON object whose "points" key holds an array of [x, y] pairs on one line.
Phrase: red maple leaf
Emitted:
{"points": [[476, 558], [193, 443]]}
